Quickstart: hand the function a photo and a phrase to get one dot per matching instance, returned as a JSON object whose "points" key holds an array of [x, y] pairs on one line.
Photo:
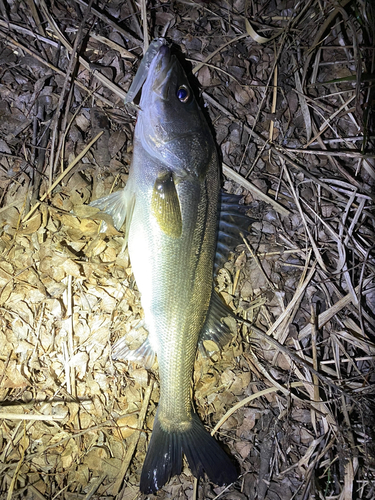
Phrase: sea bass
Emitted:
{"points": [[171, 207]]}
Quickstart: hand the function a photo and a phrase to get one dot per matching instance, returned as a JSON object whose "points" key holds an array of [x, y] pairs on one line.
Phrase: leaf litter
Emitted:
{"points": [[288, 88]]}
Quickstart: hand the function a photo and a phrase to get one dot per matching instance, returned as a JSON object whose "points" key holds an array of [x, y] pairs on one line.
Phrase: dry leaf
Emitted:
{"points": [[13, 378], [85, 211], [71, 268], [32, 225], [126, 426]]}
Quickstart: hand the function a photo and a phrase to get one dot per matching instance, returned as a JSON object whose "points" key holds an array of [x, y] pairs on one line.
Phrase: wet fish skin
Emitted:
{"points": [[170, 206]]}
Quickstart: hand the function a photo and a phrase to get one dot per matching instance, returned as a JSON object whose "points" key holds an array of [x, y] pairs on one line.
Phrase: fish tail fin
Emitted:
{"points": [[203, 453]]}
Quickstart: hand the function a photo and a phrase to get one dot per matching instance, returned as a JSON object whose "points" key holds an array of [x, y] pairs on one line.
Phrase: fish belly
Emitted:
{"points": [[174, 277]]}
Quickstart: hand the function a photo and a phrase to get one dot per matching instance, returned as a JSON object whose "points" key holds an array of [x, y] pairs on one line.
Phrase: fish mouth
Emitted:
{"points": [[161, 71], [156, 60]]}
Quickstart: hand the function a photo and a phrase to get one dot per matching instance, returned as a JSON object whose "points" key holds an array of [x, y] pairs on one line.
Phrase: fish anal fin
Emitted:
{"points": [[144, 355], [166, 448], [165, 206], [215, 328]]}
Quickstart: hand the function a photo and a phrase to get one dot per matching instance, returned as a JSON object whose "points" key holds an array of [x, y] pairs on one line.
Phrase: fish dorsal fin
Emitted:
{"points": [[165, 205], [214, 328], [232, 221]]}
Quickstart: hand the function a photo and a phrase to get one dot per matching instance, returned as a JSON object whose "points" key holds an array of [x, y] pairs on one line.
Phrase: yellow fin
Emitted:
{"points": [[165, 206]]}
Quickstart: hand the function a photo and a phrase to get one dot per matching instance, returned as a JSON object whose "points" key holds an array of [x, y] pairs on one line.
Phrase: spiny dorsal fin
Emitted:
{"points": [[232, 221], [165, 206]]}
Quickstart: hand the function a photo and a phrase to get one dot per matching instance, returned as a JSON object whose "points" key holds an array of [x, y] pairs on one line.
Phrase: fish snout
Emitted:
{"points": [[165, 51], [163, 60]]}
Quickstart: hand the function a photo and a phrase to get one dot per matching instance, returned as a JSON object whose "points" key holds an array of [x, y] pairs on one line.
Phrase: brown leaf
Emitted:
{"points": [[126, 426], [13, 378], [71, 268], [116, 142], [32, 225], [94, 458]]}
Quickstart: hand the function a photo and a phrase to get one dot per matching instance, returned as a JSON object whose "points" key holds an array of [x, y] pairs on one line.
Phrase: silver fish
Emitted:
{"points": [[170, 207]]}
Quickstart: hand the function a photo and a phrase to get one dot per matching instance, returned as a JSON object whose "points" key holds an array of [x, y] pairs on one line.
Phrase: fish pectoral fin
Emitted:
{"points": [[214, 329], [119, 206], [144, 355], [165, 206]]}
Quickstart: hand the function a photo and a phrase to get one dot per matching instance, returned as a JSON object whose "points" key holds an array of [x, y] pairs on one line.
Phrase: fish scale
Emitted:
{"points": [[177, 329]]}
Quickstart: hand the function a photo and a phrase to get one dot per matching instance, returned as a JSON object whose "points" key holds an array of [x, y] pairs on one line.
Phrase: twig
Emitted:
{"points": [[343, 154], [104, 80], [24, 416], [62, 175], [54, 158], [294, 357], [307, 229], [109, 22], [56, 70], [18, 468], [258, 194], [325, 316], [248, 400], [133, 441], [200, 65], [281, 152], [144, 23]]}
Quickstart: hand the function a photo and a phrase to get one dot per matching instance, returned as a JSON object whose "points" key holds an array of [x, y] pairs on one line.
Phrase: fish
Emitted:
{"points": [[178, 228]]}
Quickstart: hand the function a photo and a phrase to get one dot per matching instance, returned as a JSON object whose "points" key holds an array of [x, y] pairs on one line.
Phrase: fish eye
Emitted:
{"points": [[183, 93]]}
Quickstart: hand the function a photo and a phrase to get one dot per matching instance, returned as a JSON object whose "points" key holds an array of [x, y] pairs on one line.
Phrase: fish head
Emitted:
{"points": [[170, 124]]}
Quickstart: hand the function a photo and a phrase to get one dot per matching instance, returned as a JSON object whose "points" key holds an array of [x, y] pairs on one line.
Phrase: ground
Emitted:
{"points": [[288, 90]]}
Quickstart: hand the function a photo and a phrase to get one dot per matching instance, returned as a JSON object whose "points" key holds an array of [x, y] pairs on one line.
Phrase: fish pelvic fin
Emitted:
{"points": [[144, 355], [204, 454], [119, 206]]}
